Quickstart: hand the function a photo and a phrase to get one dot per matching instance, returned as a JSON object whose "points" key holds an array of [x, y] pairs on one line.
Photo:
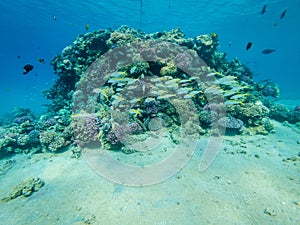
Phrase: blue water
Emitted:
{"points": [[29, 30]]}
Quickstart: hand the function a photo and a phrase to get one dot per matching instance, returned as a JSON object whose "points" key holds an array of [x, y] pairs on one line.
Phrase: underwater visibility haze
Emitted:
{"points": [[150, 112]]}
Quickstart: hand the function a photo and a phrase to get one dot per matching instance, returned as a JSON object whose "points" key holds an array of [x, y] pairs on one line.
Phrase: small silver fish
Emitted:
{"points": [[238, 96]]}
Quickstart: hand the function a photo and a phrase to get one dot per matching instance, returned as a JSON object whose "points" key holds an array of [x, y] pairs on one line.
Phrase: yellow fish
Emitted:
{"points": [[136, 112], [81, 115], [166, 96], [213, 74], [239, 96], [233, 102], [87, 26], [102, 92]]}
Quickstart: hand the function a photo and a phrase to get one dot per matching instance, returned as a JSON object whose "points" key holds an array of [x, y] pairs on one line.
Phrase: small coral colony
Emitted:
{"points": [[117, 86]]}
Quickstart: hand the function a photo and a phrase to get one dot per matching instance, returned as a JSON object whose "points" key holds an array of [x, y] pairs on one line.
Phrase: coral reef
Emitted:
{"points": [[20, 135], [281, 113], [152, 82], [47, 133], [268, 88]]}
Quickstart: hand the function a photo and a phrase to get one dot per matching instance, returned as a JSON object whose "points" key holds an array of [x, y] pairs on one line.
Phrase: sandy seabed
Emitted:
{"points": [[253, 180]]}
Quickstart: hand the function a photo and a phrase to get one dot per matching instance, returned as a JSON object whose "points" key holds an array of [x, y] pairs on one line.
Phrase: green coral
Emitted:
{"points": [[8, 143], [250, 113], [168, 70], [119, 38], [52, 140]]}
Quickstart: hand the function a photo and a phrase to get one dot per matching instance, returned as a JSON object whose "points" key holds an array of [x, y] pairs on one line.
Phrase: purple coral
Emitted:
{"points": [[92, 128], [151, 107], [34, 136], [120, 131], [50, 122], [231, 123], [86, 130], [112, 138], [211, 107], [23, 119], [133, 128], [148, 54]]}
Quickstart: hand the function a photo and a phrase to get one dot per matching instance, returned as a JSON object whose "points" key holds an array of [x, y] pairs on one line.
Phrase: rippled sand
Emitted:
{"points": [[253, 180]]}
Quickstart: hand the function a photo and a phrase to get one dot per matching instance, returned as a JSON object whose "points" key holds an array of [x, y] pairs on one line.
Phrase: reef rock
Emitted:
{"points": [[26, 188]]}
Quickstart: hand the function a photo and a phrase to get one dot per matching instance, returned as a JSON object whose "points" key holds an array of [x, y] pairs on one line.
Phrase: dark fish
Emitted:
{"points": [[283, 14], [268, 51], [19, 57], [41, 60], [264, 9], [27, 68], [248, 46]]}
